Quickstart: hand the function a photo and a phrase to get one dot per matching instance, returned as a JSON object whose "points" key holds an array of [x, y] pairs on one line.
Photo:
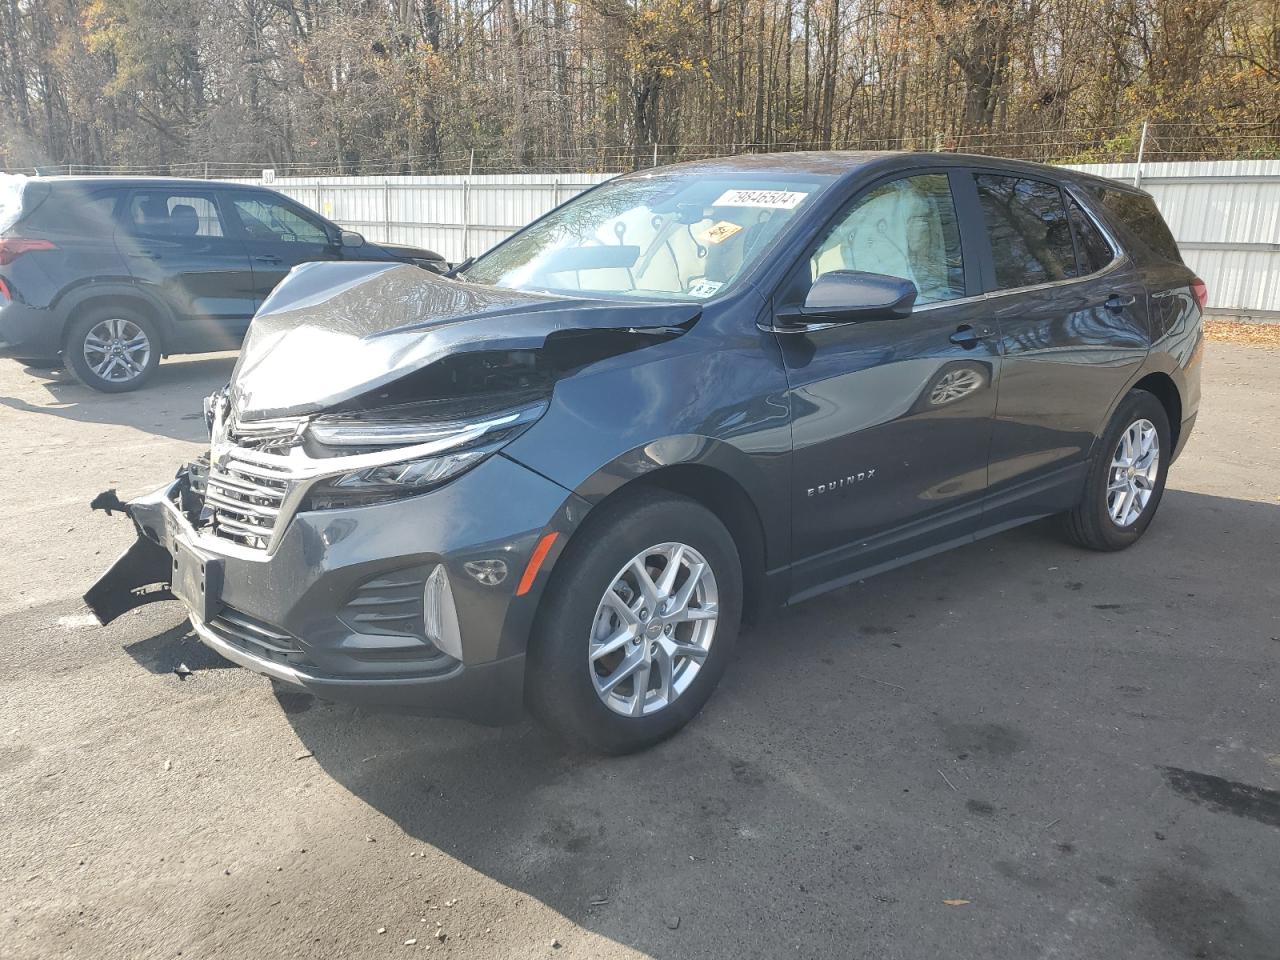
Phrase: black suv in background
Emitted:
{"points": [[113, 273]]}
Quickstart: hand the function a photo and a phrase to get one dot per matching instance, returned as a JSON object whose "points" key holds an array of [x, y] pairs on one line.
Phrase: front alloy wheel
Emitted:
{"points": [[653, 629], [637, 622]]}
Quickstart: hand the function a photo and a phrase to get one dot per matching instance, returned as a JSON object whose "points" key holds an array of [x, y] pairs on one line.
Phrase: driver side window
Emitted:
{"points": [[906, 228], [266, 219]]}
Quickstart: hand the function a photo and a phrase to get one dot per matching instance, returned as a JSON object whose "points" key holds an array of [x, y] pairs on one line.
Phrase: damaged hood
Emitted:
{"points": [[333, 331]]}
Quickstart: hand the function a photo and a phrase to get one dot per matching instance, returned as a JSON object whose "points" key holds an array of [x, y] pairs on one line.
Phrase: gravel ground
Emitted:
{"points": [[1015, 750]]}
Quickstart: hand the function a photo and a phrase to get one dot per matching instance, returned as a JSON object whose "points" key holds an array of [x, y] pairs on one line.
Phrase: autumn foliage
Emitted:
{"points": [[399, 86]]}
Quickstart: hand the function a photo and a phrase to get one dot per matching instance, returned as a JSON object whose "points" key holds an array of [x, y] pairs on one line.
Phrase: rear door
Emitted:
{"points": [[279, 234], [891, 419], [1071, 315], [175, 240]]}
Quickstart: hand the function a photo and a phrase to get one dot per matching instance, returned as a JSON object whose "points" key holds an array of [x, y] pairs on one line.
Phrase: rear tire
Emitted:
{"points": [[1126, 477], [112, 349], [584, 640]]}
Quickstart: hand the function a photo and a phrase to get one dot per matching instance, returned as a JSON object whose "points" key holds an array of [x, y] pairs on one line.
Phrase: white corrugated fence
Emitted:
{"points": [[1225, 216]]}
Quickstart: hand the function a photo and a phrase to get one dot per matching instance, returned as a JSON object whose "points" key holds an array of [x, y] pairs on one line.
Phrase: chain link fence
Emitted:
{"points": [[1070, 145]]}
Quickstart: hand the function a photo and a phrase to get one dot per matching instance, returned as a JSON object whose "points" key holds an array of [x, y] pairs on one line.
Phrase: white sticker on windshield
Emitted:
{"points": [[702, 287], [769, 199]]}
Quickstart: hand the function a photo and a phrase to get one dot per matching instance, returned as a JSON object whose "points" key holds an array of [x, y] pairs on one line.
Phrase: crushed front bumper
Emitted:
{"points": [[337, 606]]}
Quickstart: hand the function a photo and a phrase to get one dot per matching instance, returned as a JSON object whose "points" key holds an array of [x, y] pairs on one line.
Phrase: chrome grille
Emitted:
{"points": [[245, 499]]}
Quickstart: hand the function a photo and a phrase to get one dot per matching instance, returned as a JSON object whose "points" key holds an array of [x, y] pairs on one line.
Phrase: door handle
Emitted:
{"points": [[145, 255], [267, 258], [1117, 302], [967, 336]]}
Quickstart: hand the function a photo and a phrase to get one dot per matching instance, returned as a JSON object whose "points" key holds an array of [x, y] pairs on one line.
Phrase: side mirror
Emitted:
{"points": [[349, 238], [851, 296]]}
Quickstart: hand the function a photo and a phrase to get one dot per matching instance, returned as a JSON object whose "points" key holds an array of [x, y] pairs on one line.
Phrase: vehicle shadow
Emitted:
{"points": [[883, 755], [170, 405]]}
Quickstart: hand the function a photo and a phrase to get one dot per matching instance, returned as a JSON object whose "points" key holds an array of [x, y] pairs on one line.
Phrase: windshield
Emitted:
{"points": [[10, 199], [677, 236]]}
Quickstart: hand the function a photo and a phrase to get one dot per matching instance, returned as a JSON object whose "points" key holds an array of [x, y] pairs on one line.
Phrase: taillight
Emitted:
{"points": [[6, 295], [1200, 292], [11, 248]]}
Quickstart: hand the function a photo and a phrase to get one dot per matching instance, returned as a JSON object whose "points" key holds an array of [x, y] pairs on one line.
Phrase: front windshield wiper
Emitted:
{"points": [[458, 268]]}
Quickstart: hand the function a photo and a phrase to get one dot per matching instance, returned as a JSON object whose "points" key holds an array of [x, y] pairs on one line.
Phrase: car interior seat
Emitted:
{"points": [[154, 215], [183, 220]]}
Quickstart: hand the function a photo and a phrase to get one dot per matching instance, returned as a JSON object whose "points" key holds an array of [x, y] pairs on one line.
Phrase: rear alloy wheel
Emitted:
{"points": [[1126, 477], [113, 350], [637, 623], [1135, 470]]}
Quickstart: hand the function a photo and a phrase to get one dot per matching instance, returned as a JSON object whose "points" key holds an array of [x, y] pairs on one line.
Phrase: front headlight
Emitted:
{"points": [[435, 451], [415, 473]]}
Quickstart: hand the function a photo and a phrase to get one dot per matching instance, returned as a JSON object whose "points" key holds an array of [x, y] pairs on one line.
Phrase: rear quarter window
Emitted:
{"points": [[73, 212], [1140, 223]]}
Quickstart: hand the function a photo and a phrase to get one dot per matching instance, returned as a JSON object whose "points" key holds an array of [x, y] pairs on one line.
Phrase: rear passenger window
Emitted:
{"points": [[1030, 233], [1094, 250], [1141, 221], [162, 213]]}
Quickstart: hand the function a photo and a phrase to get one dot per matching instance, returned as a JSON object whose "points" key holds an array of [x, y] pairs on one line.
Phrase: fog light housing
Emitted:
{"points": [[440, 615]]}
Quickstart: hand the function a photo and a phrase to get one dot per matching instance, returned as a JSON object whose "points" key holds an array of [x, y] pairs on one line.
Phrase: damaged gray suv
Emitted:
{"points": [[560, 477]]}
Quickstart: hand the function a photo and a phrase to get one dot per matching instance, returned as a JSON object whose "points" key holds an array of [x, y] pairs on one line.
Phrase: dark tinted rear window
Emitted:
{"points": [[1139, 220], [1030, 233], [1094, 250], [70, 211]]}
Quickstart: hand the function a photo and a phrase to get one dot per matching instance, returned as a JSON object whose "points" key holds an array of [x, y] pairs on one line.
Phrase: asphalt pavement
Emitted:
{"points": [[1014, 750]]}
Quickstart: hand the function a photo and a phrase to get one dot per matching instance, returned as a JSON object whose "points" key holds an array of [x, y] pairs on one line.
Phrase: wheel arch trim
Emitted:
{"points": [[1159, 376], [73, 303], [711, 472]]}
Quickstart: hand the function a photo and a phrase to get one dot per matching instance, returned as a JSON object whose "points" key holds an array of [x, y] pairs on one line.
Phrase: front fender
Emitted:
{"points": [[725, 411]]}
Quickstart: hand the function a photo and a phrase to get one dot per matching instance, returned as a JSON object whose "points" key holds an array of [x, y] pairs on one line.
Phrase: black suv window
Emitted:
{"points": [[1140, 221], [1029, 230], [264, 218], [73, 211], [1093, 249], [905, 228], [170, 213]]}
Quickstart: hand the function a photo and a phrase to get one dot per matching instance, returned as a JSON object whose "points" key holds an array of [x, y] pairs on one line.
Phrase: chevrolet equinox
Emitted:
{"points": [[561, 476]]}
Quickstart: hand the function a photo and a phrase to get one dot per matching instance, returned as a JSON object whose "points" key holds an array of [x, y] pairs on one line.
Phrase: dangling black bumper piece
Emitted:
{"points": [[140, 576]]}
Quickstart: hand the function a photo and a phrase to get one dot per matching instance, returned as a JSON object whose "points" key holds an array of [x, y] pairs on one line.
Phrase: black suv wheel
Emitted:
{"points": [[113, 348], [638, 624], [1126, 477]]}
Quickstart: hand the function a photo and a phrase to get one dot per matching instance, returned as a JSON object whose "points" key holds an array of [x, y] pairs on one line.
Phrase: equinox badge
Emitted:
{"points": [[842, 482]]}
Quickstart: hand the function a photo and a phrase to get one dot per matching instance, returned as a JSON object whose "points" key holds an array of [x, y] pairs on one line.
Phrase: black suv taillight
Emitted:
{"points": [[1200, 292], [11, 248]]}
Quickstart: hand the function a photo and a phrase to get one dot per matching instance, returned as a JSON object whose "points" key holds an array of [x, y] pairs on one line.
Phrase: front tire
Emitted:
{"points": [[113, 349], [637, 625], [1126, 477]]}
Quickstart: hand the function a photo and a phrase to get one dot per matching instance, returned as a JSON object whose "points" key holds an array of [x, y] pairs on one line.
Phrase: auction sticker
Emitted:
{"points": [[768, 199], [702, 287], [720, 232]]}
